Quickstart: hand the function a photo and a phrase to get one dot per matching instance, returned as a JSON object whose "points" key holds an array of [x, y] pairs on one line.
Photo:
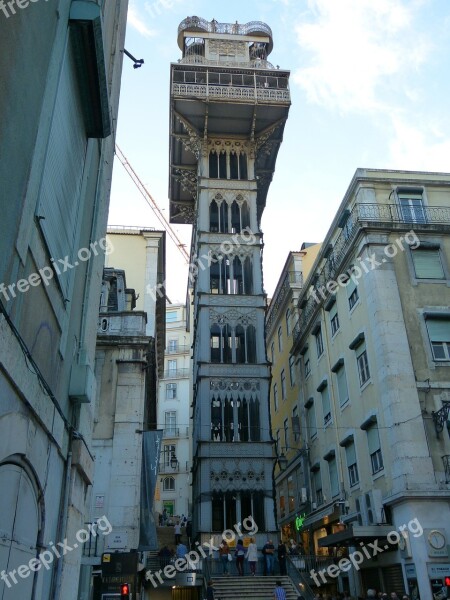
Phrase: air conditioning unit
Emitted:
{"points": [[304, 496], [313, 505]]}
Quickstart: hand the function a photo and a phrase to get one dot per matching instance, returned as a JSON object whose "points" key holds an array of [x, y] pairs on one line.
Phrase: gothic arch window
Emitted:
{"points": [[235, 217], [237, 283], [251, 344], [245, 215], [223, 217], [240, 345], [234, 166], [243, 170], [235, 418], [216, 349], [213, 217], [169, 484], [221, 344], [213, 165], [248, 276]]}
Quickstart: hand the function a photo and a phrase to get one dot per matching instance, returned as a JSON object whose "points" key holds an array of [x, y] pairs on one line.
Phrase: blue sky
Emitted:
{"points": [[370, 88]]}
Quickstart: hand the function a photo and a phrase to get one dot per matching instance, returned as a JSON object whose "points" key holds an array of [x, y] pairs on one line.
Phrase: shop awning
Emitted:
{"points": [[352, 535]]}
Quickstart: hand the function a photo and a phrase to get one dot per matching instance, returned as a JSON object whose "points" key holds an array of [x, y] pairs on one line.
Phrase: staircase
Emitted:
{"points": [[251, 588]]}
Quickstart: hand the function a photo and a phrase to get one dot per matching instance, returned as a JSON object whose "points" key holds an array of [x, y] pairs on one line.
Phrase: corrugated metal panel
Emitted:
{"points": [[63, 172]]}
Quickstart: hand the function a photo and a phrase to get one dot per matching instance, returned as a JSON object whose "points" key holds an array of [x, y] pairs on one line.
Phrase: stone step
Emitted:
{"points": [[251, 588]]}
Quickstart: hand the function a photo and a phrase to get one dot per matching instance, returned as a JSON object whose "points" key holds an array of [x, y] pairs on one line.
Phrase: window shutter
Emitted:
{"points": [[62, 176], [439, 330], [373, 438], [350, 453], [342, 385], [427, 264]]}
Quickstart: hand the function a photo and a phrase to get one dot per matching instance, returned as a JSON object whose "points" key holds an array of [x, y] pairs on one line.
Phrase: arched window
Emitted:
{"points": [[234, 166], [237, 284], [213, 165], [222, 165], [235, 218], [216, 344], [216, 420], [245, 215], [169, 484], [213, 216], [240, 341], [223, 217], [251, 344], [243, 173]]}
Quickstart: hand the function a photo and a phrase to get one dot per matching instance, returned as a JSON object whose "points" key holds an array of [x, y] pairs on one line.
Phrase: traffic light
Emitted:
{"points": [[447, 583], [125, 591]]}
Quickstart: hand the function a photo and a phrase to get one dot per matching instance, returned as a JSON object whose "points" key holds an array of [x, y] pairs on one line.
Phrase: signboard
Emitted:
{"points": [[118, 568], [118, 540], [410, 571], [438, 570]]}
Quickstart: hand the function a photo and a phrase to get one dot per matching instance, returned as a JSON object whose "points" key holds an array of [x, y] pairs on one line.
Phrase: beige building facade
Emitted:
{"points": [[373, 342]]}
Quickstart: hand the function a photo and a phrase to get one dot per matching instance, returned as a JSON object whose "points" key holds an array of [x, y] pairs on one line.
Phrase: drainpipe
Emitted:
{"points": [[64, 517]]}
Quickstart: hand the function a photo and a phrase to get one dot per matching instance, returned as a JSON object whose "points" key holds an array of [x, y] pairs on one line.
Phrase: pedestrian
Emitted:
{"points": [[252, 556], [210, 591], [371, 594], [177, 532], [281, 553], [189, 532], [269, 549], [164, 516], [279, 593], [239, 554], [181, 550], [224, 553]]}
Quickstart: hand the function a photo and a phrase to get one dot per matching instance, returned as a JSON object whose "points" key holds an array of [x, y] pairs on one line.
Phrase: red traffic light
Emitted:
{"points": [[447, 581], [125, 591]]}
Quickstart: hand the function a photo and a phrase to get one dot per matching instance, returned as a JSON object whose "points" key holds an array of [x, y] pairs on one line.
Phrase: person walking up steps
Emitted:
{"points": [[279, 593], [240, 554], [224, 552], [252, 556]]}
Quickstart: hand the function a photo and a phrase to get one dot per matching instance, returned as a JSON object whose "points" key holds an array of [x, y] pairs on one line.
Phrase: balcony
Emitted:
{"points": [[176, 373], [175, 432], [178, 349], [181, 467], [374, 216], [292, 280]]}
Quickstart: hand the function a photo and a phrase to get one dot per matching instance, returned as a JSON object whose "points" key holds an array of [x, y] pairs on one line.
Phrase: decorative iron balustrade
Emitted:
{"points": [[231, 92], [175, 432], [446, 461], [252, 64], [441, 417], [363, 215], [198, 23]]}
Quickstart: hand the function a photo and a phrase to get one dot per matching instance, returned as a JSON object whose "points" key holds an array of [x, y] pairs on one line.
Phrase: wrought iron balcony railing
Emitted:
{"points": [[198, 24], [178, 349], [230, 92], [176, 373], [175, 432], [446, 461], [292, 279], [381, 216]]}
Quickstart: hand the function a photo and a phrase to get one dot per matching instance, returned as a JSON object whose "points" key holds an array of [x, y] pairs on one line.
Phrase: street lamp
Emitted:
{"points": [[173, 461], [282, 459]]}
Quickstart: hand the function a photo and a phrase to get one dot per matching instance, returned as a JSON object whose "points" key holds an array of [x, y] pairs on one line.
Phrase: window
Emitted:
{"points": [[352, 467], [283, 385], [282, 505], [171, 316], [292, 370], [275, 397], [173, 346], [171, 391], [295, 423], [334, 479], [353, 296], [439, 335], [169, 451], [326, 406], [373, 441], [288, 322], [169, 484], [363, 365], [317, 484], [172, 368], [427, 263], [286, 433], [170, 422], [411, 205], [272, 351], [334, 319], [319, 343], [307, 367], [280, 339], [342, 385], [291, 494], [311, 421]]}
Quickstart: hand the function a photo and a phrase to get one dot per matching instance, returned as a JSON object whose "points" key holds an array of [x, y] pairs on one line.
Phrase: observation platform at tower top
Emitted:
{"points": [[253, 29]]}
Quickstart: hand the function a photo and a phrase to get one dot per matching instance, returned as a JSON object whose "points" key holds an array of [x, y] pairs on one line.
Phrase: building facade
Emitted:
{"points": [[173, 491], [284, 394], [61, 70], [228, 110], [373, 342]]}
